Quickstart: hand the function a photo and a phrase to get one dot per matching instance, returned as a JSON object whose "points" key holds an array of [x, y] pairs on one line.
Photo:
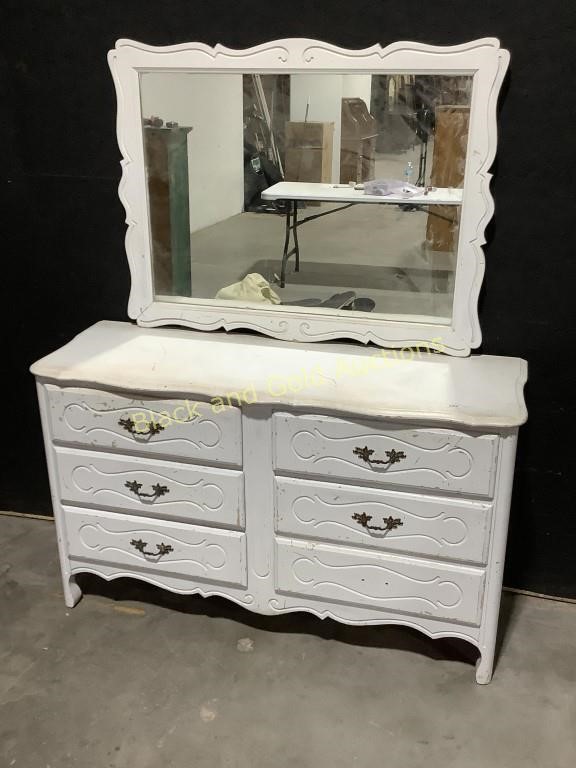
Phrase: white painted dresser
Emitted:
{"points": [[372, 486]]}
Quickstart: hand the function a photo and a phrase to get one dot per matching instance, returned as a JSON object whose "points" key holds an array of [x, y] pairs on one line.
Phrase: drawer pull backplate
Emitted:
{"points": [[162, 549], [150, 427], [389, 522], [157, 490], [366, 455]]}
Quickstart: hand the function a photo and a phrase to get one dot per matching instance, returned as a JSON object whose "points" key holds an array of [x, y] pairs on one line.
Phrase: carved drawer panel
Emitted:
{"points": [[371, 579], [380, 452], [386, 520], [140, 544], [208, 495], [180, 428]]}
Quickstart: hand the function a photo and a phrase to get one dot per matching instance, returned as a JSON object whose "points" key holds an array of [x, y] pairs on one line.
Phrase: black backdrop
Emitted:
{"points": [[63, 226]]}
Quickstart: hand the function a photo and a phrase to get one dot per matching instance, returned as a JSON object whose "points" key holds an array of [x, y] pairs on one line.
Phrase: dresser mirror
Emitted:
{"points": [[309, 192]]}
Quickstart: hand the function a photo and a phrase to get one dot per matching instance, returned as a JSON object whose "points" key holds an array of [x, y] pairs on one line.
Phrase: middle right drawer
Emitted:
{"points": [[446, 529]]}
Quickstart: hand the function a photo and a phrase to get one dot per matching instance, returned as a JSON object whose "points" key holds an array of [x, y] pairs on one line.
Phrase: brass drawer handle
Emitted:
{"points": [[366, 453], [152, 427], [163, 549], [157, 490], [363, 519]]}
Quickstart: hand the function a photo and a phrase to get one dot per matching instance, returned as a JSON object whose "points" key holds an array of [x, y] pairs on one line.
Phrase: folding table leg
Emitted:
{"points": [[286, 245], [295, 235]]}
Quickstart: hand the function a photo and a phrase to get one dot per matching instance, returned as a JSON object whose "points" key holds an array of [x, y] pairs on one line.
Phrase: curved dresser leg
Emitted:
{"points": [[72, 592], [485, 666]]}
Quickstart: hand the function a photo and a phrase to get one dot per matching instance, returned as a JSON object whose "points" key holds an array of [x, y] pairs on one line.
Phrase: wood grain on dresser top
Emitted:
{"points": [[428, 458], [479, 391], [167, 489], [198, 552], [187, 429], [435, 527]]}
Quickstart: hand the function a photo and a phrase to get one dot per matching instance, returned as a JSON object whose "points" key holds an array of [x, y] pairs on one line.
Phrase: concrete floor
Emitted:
{"points": [[376, 250], [379, 251], [134, 677]]}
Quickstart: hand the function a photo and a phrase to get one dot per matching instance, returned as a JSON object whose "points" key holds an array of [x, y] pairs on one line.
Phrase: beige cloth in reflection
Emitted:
{"points": [[253, 287]]}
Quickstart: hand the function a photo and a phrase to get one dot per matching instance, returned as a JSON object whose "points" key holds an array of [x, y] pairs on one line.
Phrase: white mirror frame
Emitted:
{"points": [[484, 59]]}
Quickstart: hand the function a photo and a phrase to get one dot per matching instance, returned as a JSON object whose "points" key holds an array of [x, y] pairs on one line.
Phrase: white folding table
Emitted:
{"points": [[294, 191]]}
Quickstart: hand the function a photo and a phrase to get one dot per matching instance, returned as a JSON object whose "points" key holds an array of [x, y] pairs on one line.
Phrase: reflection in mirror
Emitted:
{"points": [[330, 192]]}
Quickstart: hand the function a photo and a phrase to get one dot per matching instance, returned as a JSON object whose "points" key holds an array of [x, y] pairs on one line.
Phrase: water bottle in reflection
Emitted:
{"points": [[408, 172]]}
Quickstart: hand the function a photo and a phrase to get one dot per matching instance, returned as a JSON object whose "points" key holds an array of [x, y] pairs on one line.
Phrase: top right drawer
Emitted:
{"points": [[385, 453]]}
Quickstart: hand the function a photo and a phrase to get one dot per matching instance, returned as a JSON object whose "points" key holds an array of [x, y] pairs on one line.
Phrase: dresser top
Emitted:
{"points": [[477, 391]]}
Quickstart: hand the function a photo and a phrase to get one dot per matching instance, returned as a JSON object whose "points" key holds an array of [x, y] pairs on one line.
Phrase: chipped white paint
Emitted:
{"points": [[266, 497]]}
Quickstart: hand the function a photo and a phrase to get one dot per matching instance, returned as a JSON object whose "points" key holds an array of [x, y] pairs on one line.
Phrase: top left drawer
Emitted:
{"points": [[185, 429]]}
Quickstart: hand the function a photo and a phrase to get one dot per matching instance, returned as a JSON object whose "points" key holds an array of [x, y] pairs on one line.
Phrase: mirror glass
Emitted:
{"points": [[324, 192]]}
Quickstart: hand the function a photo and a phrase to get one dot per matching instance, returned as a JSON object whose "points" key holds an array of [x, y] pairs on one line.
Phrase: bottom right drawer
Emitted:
{"points": [[380, 581]]}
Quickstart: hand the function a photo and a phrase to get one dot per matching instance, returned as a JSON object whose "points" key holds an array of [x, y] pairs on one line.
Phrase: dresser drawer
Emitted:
{"points": [[435, 459], [181, 428], [149, 487], [428, 526], [139, 544], [388, 582]]}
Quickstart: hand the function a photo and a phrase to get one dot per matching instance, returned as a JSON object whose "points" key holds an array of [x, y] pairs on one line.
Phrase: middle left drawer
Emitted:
{"points": [[152, 488]]}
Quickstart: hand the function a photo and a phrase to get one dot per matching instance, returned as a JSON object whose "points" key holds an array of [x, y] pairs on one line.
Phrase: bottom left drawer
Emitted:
{"points": [[203, 554]]}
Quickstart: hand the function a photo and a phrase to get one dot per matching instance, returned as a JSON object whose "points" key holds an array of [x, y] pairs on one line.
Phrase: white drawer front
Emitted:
{"points": [[200, 553], [208, 495], [443, 528], [389, 582], [187, 429], [435, 459]]}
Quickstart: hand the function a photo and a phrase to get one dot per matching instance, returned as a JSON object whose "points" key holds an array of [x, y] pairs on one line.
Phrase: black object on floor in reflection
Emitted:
{"points": [[361, 304], [336, 301], [345, 300]]}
